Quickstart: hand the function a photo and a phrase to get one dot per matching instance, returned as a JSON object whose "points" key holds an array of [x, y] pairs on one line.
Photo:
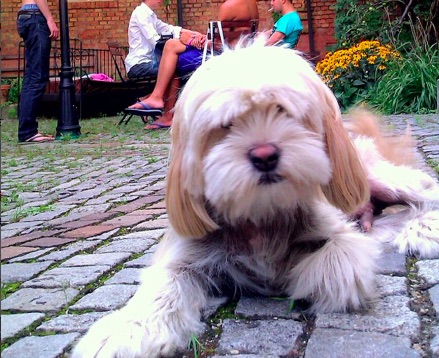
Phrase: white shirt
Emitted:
{"points": [[144, 31]]}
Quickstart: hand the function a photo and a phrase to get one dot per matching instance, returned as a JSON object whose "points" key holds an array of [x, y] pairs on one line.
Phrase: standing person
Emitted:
{"points": [[287, 29], [144, 30], [166, 89], [37, 28]]}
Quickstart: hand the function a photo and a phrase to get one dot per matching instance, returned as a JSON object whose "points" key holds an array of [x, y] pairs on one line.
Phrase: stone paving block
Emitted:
{"points": [[90, 209], [32, 255], [129, 245], [21, 225], [124, 199], [106, 298], [137, 204], [67, 184], [428, 270], [391, 285], [336, 343], [39, 299], [144, 235], [49, 215], [434, 297], [149, 211], [129, 276], [259, 307], [152, 224], [68, 250], [11, 324], [50, 241], [63, 220], [87, 194], [109, 259], [104, 236], [19, 272], [129, 188], [68, 277], [71, 225], [159, 205], [98, 217], [88, 231], [102, 199], [15, 251], [390, 315], [15, 240], [275, 337], [127, 220], [5, 234], [71, 322], [392, 263], [434, 343], [143, 261], [40, 347]]}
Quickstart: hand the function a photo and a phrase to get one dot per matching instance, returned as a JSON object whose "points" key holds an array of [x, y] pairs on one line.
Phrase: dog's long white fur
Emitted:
{"points": [[285, 235]]}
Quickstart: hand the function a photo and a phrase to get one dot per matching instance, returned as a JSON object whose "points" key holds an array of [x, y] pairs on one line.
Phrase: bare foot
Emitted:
{"points": [[164, 121], [148, 103]]}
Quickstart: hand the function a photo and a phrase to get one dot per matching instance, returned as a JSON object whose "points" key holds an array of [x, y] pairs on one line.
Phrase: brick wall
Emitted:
{"points": [[97, 22]]}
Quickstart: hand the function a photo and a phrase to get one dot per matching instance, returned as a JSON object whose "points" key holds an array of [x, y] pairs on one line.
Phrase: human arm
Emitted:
{"points": [[275, 38], [192, 38], [44, 8]]}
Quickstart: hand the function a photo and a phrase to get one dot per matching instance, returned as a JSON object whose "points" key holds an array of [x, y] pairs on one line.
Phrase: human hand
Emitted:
{"points": [[198, 41], [54, 31]]}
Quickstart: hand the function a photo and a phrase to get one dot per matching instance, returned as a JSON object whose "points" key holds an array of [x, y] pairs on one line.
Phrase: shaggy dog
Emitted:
{"points": [[262, 183]]}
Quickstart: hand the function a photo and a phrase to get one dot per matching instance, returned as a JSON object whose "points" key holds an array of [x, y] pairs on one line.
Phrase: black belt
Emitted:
{"points": [[29, 12]]}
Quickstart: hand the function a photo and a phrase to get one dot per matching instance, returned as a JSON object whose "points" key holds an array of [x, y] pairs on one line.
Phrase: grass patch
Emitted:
{"points": [[434, 164], [9, 288], [99, 136]]}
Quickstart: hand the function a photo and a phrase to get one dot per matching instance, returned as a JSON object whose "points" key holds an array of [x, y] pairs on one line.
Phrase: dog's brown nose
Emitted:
{"points": [[264, 157]]}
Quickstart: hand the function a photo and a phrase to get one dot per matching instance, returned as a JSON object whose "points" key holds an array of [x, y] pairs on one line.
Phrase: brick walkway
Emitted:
{"points": [[82, 258]]}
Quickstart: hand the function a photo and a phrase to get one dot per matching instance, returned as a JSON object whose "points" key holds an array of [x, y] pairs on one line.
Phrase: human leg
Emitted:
{"points": [[35, 33], [168, 65], [165, 121]]}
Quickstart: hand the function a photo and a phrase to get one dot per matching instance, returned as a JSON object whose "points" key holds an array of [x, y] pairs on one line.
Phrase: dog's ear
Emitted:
{"points": [[187, 212], [348, 187]]}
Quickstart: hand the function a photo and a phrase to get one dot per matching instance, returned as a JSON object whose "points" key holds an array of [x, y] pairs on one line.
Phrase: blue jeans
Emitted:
{"points": [[34, 31]]}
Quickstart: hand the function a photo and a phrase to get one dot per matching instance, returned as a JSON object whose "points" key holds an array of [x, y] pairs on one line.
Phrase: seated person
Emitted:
{"points": [[144, 30], [190, 52], [287, 29]]}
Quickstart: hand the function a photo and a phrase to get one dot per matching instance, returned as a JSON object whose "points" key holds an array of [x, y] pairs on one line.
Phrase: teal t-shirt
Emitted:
{"points": [[291, 26]]}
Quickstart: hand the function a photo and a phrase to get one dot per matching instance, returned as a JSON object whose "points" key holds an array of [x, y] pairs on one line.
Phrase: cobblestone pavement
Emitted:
{"points": [[74, 263]]}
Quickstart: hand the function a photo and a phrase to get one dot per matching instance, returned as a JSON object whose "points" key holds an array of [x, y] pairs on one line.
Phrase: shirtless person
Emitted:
{"points": [[167, 84]]}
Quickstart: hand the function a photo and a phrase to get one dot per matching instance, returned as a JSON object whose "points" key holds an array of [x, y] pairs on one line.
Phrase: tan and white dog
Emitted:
{"points": [[262, 183]]}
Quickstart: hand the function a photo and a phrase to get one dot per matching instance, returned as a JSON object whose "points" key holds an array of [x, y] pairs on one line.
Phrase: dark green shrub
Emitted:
{"points": [[409, 86], [14, 91]]}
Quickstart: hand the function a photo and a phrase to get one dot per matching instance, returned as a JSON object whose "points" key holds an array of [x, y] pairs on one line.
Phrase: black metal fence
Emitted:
{"points": [[92, 97]]}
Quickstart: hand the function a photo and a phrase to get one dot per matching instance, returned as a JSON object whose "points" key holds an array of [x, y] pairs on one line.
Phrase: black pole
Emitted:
{"points": [[68, 123], [312, 49], [179, 13]]}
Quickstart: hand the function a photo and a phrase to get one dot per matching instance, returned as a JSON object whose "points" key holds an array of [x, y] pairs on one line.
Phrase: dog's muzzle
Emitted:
{"points": [[265, 159]]}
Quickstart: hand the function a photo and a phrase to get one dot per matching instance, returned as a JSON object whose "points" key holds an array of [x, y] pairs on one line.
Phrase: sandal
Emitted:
{"points": [[38, 138]]}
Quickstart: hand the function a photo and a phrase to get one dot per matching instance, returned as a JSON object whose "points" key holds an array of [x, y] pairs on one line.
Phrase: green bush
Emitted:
{"points": [[384, 20], [14, 91], [409, 86], [352, 73]]}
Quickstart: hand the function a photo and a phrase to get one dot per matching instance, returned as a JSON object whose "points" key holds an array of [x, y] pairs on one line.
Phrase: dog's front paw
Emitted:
{"points": [[420, 235], [118, 336]]}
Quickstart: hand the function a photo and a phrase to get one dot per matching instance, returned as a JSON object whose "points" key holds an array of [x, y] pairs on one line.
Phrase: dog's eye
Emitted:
{"points": [[226, 126], [280, 109]]}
